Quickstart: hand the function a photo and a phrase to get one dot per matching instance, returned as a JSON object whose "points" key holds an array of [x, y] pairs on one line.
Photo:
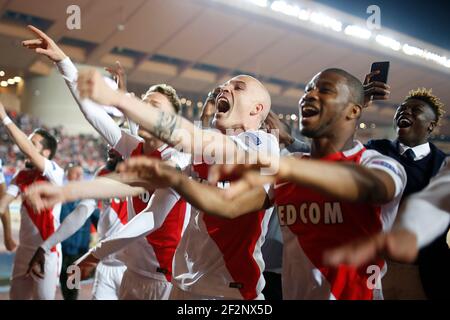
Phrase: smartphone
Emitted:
{"points": [[383, 67]]}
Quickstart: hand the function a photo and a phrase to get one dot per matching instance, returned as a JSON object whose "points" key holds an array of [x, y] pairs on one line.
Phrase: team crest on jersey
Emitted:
{"points": [[253, 138], [314, 213]]}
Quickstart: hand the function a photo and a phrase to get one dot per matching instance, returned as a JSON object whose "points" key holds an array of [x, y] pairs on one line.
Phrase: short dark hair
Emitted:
{"points": [[355, 85], [49, 142], [427, 96], [169, 92]]}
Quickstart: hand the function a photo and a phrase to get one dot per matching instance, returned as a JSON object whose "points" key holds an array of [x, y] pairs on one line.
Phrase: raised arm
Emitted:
{"points": [[22, 141], [168, 127], [45, 195], [377, 183], [346, 182], [94, 113]]}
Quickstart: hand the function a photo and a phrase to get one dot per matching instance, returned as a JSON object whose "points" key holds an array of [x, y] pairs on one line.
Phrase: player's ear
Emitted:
{"points": [[354, 112], [258, 108], [46, 153]]}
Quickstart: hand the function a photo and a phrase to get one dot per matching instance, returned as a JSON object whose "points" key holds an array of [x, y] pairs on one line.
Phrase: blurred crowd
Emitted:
{"points": [[85, 149]]}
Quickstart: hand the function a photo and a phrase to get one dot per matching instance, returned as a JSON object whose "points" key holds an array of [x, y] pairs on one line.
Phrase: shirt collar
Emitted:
{"points": [[420, 151], [357, 147]]}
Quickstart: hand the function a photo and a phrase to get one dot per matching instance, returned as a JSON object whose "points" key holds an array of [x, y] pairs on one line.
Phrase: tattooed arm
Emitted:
{"points": [[170, 128]]}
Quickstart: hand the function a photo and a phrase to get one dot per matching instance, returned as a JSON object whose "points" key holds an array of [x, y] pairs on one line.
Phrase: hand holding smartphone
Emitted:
{"points": [[375, 83]]}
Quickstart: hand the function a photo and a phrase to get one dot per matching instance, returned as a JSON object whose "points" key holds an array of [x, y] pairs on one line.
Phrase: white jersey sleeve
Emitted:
{"points": [[2, 176], [94, 113], [262, 144], [259, 141], [427, 213], [143, 224], [137, 227], [53, 172], [74, 221], [126, 144], [375, 160]]}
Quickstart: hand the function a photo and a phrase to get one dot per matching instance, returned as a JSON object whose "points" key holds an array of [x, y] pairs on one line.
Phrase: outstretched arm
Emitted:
{"points": [[205, 197], [152, 218], [347, 182], [427, 213], [139, 226], [143, 224], [168, 127], [74, 221], [422, 218], [22, 141], [45, 195], [94, 113], [68, 227]]}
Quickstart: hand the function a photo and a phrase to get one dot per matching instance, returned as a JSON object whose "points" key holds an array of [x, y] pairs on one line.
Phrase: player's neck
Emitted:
{"points": [[324, 146]]}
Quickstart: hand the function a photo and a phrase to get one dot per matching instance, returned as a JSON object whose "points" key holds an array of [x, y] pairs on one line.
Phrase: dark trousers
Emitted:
{"points": [[272, 290], [68, 294]]}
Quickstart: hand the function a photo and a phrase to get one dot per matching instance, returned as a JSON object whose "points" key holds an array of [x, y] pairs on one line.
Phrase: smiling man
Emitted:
{"points": [[338, 192], [35, 226], [414, 121]]}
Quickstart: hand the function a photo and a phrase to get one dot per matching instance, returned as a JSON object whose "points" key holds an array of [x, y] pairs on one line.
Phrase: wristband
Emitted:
{"points": [[7, 121]]}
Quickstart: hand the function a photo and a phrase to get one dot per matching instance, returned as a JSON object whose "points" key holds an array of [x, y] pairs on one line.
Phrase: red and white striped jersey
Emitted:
{"points": [[156, 248], [152, 255], [113, 216], [36, 227], [311, 223], [221, 257]]}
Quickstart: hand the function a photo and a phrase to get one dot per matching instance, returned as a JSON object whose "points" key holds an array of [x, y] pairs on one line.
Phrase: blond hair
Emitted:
{"points": [[428, 97]]}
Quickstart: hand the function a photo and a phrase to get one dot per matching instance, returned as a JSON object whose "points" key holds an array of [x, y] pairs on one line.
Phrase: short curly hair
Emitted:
{"points": [[428, 97], [169, 92]]}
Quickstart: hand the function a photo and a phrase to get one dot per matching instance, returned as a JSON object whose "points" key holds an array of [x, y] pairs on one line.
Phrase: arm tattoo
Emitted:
{"points": [[165, 127]]}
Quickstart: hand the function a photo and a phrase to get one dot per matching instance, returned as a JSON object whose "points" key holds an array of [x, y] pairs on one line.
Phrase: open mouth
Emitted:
{"points": [[309, 111], [404, 122], [223, 105]]}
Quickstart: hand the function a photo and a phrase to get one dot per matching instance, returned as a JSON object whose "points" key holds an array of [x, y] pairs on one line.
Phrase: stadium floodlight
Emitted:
{"points": [[326, 21], [412, 51], [285, 8], [304, 14], [260, 3], [424, 54], [388, 42], [17, 79], [4, 84], [358, 32], [11, 81], [2, 73]]}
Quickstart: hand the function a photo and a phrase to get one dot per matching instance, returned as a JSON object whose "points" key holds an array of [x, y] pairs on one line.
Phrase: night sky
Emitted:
{"points": [[426, 20]]}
